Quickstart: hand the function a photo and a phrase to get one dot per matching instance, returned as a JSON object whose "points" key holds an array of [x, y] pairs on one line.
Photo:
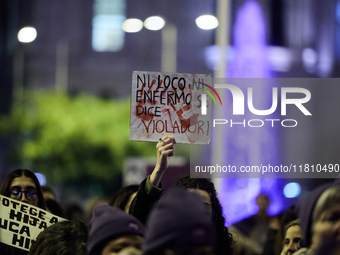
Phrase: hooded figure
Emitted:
{"points": [[180, 224], [319, 213]]}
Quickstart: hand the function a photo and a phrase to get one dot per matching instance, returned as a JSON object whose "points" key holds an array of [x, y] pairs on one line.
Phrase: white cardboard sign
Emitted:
{"points": [[169, 104], [20, 223]]}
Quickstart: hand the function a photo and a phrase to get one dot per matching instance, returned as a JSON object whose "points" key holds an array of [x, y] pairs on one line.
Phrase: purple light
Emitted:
{"points": [[41, 178], [249, 146]]}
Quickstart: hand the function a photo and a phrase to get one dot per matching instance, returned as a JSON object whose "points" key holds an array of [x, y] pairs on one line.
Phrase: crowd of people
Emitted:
{"points": [[188, 219]]}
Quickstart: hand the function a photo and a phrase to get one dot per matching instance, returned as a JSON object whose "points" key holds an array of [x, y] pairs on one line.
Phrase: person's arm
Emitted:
{"points": [[150, 189], [165, 149]]}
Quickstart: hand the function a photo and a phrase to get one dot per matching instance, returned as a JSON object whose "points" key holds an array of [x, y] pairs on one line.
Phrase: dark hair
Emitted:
{"points": [[48, 189], [97, 250], [72, 210], [122, 196], [55, 208], [6, 184], [224, 238], [62, 238]]}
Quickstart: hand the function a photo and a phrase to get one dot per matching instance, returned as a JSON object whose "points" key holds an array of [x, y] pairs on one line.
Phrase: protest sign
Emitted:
{"points": [[170, 104], [20, 223]]}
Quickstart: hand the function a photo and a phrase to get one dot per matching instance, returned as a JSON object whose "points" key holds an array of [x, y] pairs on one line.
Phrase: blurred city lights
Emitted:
{"points": [[41, 178], [27, 34], [292, 190], [309, 59], [207, 22], [132, 25], [154, 23]]}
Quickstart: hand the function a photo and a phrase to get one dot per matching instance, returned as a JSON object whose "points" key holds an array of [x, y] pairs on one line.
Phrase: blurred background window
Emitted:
{"points": [[108, 18]]}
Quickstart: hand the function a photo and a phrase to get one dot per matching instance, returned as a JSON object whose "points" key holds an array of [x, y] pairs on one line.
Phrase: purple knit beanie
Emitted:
{"points": [[111, 222], [179, 220]]}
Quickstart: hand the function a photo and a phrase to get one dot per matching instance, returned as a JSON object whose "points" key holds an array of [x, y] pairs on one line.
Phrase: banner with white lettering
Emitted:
{"points": [[173, 104], [20, 223]]}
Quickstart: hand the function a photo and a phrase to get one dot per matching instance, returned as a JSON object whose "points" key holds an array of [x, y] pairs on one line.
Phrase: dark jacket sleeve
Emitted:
{"points": [[270, 245], [9, 250], [143, 202]]}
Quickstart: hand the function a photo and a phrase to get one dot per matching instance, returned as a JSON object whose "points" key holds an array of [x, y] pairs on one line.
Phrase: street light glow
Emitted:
{"points": [[207, 22], [292, 189], [41, 178], [154, 23], [27, 34], [132, 25]]}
